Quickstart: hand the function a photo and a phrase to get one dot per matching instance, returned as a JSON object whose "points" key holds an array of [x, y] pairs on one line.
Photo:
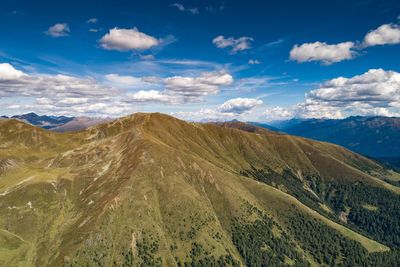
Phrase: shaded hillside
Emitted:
{"points": [[247, 127], [152, 190], [377, 137]]}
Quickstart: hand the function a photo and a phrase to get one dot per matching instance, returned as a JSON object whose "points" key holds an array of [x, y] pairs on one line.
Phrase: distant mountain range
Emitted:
{"points": [[377, 137], [80, 123], [46, 122], [59, 123]]}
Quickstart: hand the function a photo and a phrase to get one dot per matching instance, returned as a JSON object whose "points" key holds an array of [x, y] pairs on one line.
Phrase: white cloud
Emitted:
{"points": [[375, 92], [385, 34], [205, 114], [376, 85], [239, 44], [176, 89], [69, 95], [319, 51], [127, 39], [193, 87], [19, 83], [239, 105], [92, 21], [180, 7], [312, 109], [254, 62], [278, 113], [59, 30], [126, 81], [152, 96], [8, 72], [58, 94], [237, 108]]}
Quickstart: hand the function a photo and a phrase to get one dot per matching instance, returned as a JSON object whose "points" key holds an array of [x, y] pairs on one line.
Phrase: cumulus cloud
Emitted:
{"points": [[125, 81], [192, 87], [239, 44], [237, 108], [14, 82], [182, 8], [239, 105], [114, 94], [152, 96], [278, 113], [178, 89], [205, 114], [127, 40], [61, 94], [320, 51], [8, 72], [376, 85], [59, 30], [375, 92], [385, 34], [311, 109]]}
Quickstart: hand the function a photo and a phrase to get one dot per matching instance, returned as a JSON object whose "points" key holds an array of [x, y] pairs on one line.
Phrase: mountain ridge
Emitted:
{"points": [[375, 136]]}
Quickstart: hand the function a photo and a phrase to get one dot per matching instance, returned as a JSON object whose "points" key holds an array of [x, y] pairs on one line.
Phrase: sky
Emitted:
{"points": [[201, 60]]}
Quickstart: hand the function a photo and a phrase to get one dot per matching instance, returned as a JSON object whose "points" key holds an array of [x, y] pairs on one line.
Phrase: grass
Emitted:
{"points": [[370, 207]]}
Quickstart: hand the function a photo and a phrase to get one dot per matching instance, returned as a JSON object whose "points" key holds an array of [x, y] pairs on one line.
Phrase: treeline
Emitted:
{"points": [[260, 246], [329, 247], [199, 257], [286, 181], [381, 221]]}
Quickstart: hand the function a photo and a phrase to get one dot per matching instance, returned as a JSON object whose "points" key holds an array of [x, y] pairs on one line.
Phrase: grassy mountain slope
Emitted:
{"points": [[149, 189]]}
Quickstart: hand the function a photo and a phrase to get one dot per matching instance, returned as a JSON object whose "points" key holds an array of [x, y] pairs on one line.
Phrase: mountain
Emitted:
{"points": [[46, 122], [376, 137], [80, 123], [286, 124], [152, 190], [235, 124], [264, 125], [59, 123]]}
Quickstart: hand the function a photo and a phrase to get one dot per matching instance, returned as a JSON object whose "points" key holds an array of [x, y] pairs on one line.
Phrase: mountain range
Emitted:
{"points": [[59, 123], [44, 121], [375, 137], [153, 190]]}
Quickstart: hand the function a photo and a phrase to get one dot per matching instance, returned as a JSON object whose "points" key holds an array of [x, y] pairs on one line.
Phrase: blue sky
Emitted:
{"points": [[251, 60]]}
